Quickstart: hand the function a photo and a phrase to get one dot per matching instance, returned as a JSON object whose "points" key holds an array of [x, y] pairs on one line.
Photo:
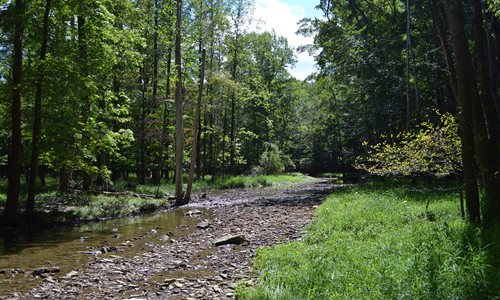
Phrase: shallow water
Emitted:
{"points": [[62, 246]]}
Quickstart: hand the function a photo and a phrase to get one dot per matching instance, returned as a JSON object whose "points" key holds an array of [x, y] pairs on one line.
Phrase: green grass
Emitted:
{"points": [[223, 183], [89, 207], [50, 190], [92, 207], [379, 242]]}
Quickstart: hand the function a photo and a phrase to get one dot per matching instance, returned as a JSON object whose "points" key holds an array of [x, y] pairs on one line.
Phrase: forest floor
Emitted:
{"points": [[185, 263]]}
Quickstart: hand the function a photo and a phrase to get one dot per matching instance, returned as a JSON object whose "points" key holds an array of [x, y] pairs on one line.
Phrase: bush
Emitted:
{"points": [[272, 161]]}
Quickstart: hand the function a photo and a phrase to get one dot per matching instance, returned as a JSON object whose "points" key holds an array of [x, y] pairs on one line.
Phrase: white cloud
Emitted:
{"points": [[284, 18]]}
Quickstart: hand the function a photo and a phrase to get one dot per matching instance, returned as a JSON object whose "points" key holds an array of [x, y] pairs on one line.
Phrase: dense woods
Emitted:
{"points": [[95, 91]]}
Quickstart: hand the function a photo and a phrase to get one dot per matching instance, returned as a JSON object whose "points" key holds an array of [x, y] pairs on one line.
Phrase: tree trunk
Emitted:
{"points": [[37, 124], [14, 160], [164, 130], [483, 72], [466, 132], [179, 111], [63, 180], [233, 97], [157, 167], [472, 111], [438, 21], [196, 122], [142, 168], [455, 21], [410, 54]]}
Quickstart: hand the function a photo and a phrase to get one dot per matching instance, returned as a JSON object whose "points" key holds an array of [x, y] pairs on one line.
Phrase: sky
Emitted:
{"points": [[283, 16]]}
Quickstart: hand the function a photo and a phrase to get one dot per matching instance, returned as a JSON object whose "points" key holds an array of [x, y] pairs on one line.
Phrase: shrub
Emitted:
{"points": [[271, 161]]}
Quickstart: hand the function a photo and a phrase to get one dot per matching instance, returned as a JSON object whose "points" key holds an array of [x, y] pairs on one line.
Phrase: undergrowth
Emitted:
{"points": [[81, 206]]}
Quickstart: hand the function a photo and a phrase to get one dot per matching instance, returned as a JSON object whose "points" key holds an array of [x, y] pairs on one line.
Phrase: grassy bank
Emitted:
{"points": [[78, 206], [207, 183], [379, 242]]}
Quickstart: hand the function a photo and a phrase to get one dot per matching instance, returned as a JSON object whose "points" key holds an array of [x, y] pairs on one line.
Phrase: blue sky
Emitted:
{"points": [[282, 16]]}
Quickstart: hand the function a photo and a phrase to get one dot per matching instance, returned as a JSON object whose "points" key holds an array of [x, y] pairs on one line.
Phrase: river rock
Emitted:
{"points": [[203, 225], [193, 212], [94, 253], [106, 249], [45, 270], [165, 238], [230, 239]]}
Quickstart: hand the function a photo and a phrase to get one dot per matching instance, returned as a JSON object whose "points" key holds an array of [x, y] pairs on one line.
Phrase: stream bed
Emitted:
{"points": [[160, 255]]}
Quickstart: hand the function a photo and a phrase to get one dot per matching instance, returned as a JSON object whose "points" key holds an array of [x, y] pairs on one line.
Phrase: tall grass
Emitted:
{"points": [[379, 242]]}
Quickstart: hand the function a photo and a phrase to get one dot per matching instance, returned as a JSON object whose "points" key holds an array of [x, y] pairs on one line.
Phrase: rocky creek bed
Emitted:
{"points": [[180, 263]]}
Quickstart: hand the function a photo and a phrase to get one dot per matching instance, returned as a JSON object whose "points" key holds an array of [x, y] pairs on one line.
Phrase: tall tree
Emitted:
{"points": [[179, 111], [472, 110], [466, 132], [197, 118], [37, 124], [14, 162]]}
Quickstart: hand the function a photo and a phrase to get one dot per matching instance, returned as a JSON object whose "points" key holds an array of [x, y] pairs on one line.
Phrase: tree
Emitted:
{"points": [[179, 124], [194, 148], [14, 162], [35, 148], [466, 133], [472, 111]]}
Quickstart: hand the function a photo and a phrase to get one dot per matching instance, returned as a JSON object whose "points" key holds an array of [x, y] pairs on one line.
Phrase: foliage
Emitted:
{"points": [[494, 6], [270, 161], [432, 150], [379, 242]]}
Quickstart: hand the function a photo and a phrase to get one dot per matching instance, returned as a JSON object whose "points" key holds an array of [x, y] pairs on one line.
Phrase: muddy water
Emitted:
{"points": [[70, 248]]}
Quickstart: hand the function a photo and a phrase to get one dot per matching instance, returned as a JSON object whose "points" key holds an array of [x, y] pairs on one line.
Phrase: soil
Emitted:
{"points": [[186, 264]]}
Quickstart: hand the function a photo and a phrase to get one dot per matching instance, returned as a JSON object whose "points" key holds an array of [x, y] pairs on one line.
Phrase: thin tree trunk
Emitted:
{"points": [[200, 128], [411, 54], [157, 168], [164, 131], [14, 160], [452, 73], [37, 126], [179, 112], [407, 66], [196, 122], [232, 137], [142, 168], [84, 71]]}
